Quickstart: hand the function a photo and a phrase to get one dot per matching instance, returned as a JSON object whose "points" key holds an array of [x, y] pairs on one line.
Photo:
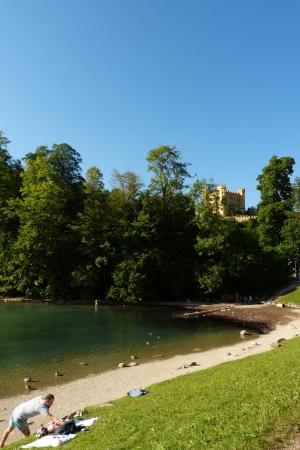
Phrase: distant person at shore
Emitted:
{"points": [[34, 407]]}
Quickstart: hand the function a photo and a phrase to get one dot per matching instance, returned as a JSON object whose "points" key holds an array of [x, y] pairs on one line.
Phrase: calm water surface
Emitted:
{"points": [[38, 339]]}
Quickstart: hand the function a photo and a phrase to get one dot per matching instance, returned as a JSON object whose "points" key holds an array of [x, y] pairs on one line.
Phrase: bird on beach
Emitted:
{"points": [[29, 387], [57, 374], [82, 363], [26, 379]]}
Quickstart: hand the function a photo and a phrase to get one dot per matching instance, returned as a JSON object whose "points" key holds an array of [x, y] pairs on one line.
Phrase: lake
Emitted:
{"points": [[37, 339]]}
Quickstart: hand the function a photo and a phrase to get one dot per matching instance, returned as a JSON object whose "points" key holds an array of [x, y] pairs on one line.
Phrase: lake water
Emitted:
{"points": [[40, 338]]}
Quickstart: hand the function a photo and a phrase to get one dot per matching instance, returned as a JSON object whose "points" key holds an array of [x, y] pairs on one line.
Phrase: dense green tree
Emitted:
{"points": [[63, 159], [296, 193], [171, 211], [10, 180], [290, 244], [276, 199], [66, 163], [125, 206], [91, 276], [201, 188], [46, 248], [210, 247], [133, 278], [290, 232], [42, 150], [10, 183], [167, 235], [170, 173], [158, 243], [230, 257], [251, 211], [125, 199], [158, 249], [129, 183], [61, 234]]}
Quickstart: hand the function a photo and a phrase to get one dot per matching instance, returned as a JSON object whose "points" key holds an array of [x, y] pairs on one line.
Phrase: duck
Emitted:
{"points": [[29, 387], [26, 379], [82, 363], [57, 374]]}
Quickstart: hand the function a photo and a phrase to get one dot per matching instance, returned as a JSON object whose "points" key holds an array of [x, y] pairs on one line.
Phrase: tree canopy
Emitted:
{"points": [[63, 235]]}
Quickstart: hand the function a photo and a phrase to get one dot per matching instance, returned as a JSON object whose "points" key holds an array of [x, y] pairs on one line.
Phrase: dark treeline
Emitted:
{"points": [[63, 235]]}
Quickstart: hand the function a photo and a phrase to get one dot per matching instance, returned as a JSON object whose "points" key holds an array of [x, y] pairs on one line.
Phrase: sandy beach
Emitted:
{"points": [[105, 387]]}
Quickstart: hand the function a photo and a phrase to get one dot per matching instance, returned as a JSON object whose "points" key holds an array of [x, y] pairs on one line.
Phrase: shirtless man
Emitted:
{"points": [[34, 407]]}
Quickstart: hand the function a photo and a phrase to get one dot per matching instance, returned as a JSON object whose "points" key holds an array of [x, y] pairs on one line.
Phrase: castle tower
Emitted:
{"points": [[221, 189]]}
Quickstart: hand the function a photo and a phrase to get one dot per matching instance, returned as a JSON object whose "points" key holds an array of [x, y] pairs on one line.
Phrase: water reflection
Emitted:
{"points": [[40, 339]]}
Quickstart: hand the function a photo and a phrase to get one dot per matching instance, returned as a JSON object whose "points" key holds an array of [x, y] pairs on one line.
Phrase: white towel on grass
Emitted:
{"points": [[50, 441], [54, 441], [85, 422]]}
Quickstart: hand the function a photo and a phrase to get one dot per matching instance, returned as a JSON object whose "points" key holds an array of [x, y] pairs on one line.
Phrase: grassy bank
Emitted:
{"points": [[291, 297], [247, 404], [252, 404]]}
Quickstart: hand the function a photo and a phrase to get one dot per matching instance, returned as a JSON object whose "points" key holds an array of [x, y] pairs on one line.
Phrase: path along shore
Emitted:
{"points": [[284, 323]]}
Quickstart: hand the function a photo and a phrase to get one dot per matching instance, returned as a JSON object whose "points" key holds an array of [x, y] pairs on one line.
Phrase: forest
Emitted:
{"points": [[65, 236]]}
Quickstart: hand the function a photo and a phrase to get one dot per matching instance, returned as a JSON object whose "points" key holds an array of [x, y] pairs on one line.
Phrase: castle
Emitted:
{"points": [[227, 203]]}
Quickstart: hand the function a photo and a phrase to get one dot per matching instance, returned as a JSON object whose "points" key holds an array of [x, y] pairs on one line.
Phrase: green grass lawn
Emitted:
{"points": [[248, 404], [292, 297], [252, 403]]}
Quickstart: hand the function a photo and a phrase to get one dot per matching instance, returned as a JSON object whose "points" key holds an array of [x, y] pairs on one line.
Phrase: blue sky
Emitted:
{"points": [[218, 79]]}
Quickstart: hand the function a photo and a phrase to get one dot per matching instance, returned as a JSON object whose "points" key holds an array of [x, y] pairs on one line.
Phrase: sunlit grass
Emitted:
{"points": [[252, 403], [292, 297]]}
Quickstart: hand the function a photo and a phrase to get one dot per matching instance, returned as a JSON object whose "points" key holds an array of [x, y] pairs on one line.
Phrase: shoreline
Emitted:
{"points": [[96, 390]]}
